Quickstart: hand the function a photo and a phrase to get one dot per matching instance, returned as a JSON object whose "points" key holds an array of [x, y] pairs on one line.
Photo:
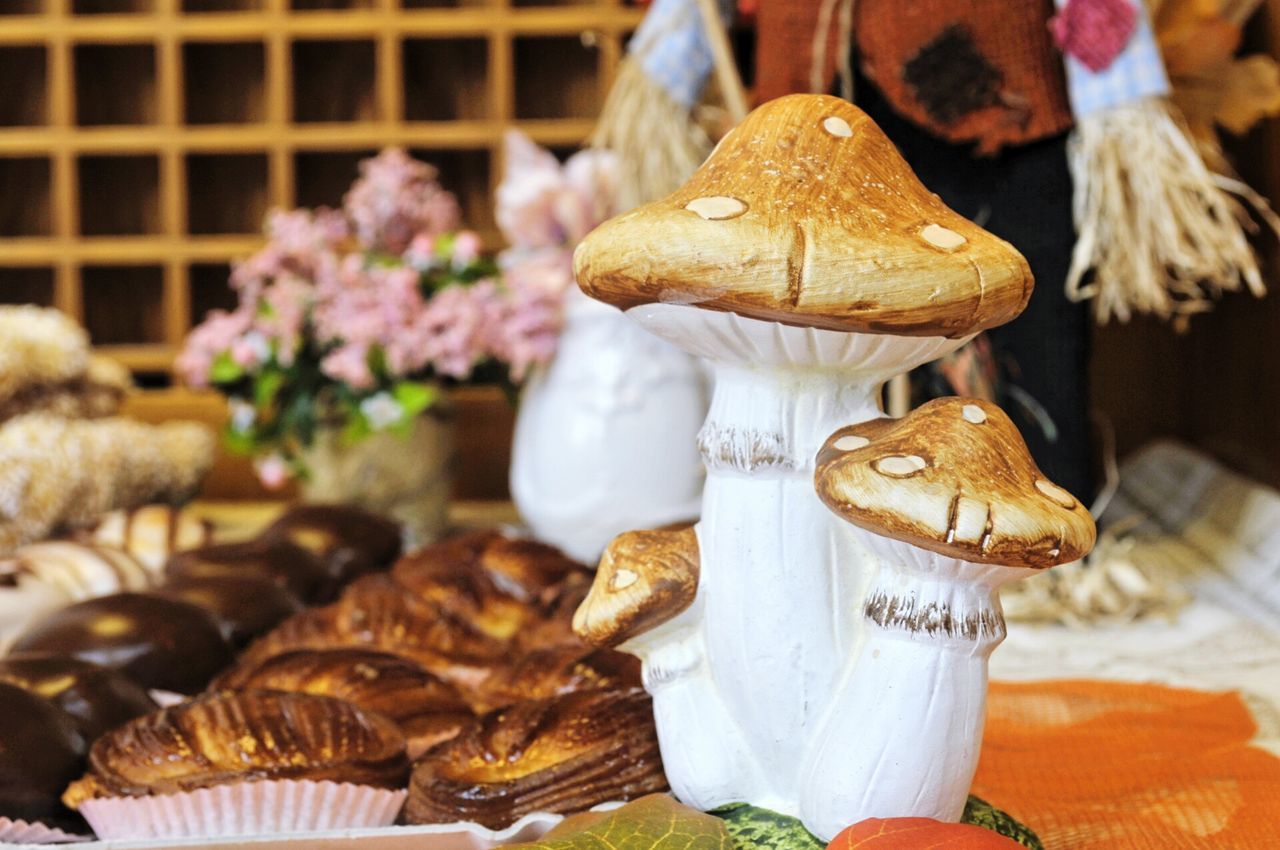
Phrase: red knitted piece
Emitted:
{"points": [[1094, 31]]}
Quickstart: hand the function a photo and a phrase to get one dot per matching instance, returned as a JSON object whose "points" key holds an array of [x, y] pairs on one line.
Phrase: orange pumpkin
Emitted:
{"points": [[919, 833]]}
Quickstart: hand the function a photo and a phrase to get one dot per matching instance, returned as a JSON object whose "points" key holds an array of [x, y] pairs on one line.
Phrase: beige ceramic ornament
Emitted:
{"points": [[808, 265]]}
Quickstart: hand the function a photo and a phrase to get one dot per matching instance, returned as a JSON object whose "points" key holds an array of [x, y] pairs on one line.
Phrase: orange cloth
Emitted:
{"points": [[1111, 766]]}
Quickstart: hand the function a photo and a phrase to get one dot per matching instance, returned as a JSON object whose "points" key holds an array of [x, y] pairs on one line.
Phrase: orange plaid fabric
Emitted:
{"points": [[1091, 765]]}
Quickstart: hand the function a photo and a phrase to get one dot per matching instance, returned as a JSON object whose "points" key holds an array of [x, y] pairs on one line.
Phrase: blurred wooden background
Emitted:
{"points": [[141, 141]]}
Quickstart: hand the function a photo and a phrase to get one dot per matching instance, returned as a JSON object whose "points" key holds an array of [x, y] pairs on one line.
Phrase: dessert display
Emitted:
{"points": [[427, 709], [67, 473], [564, 754], [556, 670], [350, 541], [248, 743], [152, 533], [161, 644], [244, 606], [808, 265], [292, 567], [40, 752], [96, 698]]}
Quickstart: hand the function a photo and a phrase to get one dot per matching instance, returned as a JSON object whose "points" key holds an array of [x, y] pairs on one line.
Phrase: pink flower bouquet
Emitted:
{"points": [[351, 318]]}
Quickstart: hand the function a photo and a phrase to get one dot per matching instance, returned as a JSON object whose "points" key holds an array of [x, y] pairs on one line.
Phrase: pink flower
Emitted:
{"points": [[396, 198], [273, 471], [349, 364], [214, 336], [466, 248]]}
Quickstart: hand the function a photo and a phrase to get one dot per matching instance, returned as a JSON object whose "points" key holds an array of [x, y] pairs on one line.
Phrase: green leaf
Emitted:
{"points": [[655, 822], [981, 813], [225, 370], [266, 388], [415, 396], [754, 828], [356, 428], [240, 442]]}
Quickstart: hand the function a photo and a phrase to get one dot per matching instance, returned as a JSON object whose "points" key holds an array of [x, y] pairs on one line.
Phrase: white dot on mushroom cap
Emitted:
{"points": [[837, 126], [716, 207], [941, 237], [973, 413], [1056, 493], [623, 579], [900, 466], [849, 442]]}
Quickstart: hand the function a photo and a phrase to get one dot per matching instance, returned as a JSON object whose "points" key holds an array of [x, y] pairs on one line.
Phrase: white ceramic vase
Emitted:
{"points": [[605, 438]]}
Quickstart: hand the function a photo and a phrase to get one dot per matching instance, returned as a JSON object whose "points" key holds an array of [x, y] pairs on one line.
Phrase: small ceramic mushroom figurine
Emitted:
{"points": [[949, 504], [809, 265], [643, 602]]}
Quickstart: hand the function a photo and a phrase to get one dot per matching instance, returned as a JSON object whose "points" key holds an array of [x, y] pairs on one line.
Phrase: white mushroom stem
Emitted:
{"points": [[901, 737], [704, 752], [772, 626], [779, 615]]}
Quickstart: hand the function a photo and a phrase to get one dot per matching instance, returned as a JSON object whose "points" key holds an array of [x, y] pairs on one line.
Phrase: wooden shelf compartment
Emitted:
{"points": [[24, 92], [111, 7], [115, 84], [199, 6], [123, 305], [226, 193], [119, 195], [27, 285], [334, 81], [25, 197], [556, 77], [446, 79], [224, 82], [210, 290]]}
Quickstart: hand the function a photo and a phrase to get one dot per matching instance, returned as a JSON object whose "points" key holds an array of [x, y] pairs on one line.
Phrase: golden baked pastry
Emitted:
{"points": [[564, 754], [425, 707], [557, 670], [350, 541], [377, 613], [220, 738], [501, 585]]}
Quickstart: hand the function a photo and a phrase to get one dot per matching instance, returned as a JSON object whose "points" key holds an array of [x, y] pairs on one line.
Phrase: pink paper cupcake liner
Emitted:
{"points": [[268, 807], [22, 832]]}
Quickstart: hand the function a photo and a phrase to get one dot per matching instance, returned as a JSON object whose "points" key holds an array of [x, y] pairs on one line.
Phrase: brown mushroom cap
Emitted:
{"points": [[805, 214], [954, 477], [645, 579]]}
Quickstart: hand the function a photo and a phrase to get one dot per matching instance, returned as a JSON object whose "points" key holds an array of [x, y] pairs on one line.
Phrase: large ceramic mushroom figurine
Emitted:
{"points": [[643, 601], [809, 265], [949, 505]]}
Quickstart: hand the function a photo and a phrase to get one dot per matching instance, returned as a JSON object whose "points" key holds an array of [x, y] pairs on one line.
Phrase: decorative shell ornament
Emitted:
{"points": [[808, 265]]}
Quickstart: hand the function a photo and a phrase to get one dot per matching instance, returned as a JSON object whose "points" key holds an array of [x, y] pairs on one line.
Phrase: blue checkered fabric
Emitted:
{"points": [[1136, 73], [672, 48]]}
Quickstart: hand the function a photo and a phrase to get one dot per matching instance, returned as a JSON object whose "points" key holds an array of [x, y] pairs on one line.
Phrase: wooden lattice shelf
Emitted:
{"points": [[141, 141]]}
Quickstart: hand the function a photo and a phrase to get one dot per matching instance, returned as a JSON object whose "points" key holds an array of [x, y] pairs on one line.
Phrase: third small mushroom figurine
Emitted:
{"points": [[808, 265], [949, 505]]}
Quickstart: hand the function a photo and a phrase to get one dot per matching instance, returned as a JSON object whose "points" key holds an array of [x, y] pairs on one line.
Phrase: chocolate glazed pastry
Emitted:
{"points": [[276, 560], [245, 607], [565, 755], [97, 699], [158, 643], [221, 738], [425, 707], [350, 541], [40, 752], [558, 670]]}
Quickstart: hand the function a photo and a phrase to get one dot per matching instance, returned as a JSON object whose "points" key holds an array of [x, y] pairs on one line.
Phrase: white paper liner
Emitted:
{"points": [[276, 806], [22, 832], [165, 699]]}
